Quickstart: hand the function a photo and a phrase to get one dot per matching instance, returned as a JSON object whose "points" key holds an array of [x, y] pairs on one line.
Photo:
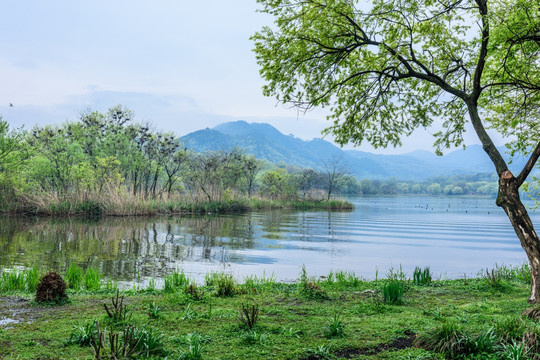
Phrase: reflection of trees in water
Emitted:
{"points": [[305, 226], [122, 247]]}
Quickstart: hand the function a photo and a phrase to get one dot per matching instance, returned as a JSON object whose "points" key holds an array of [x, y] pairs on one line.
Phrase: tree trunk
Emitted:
{"points": [[508, 198]]}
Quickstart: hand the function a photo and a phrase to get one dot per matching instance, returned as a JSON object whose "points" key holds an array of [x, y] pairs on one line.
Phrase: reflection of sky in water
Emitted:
{"points": [[452, 235]]}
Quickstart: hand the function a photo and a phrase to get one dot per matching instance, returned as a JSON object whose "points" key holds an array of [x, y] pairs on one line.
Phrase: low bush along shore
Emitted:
{"points": [[338, 316], [137, 207]]}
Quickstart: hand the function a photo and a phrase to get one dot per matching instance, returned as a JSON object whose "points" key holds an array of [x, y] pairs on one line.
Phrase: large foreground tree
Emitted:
{"points": [[392, 66]]}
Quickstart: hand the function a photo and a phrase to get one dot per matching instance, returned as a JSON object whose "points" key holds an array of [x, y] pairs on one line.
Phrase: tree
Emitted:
{"points": [[402, 64], [335, 172]]}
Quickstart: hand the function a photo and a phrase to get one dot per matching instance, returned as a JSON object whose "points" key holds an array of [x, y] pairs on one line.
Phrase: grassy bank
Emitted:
{"points": [[336, 317], [133, 206]]}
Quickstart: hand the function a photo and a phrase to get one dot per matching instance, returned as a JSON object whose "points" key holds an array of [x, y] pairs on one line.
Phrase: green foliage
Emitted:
{"points": [[12, 281], [82, 334], [321, 352], [510, 329], [334, 327], [154, 311], [175, 281], [74, 277], [446, 339], [195, 347], [254, 337], [392, 291], [224, 284], [92, 279], [422, 277], [309, 289]]}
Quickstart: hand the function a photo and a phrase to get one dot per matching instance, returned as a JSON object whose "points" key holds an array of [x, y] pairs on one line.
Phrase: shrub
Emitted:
{"points": [[117, 312], [249, 315], [51, 288]]}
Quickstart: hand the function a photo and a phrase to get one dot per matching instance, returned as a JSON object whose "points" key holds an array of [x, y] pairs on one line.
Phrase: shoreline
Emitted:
{"points": [[157, 207]]}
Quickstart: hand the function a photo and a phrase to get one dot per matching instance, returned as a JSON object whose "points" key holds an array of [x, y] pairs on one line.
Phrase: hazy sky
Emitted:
{"points": [[183, 65]]}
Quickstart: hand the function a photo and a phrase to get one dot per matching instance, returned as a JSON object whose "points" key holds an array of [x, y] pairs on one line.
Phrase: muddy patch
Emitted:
{"points": [[16, 310], [398, 344]]}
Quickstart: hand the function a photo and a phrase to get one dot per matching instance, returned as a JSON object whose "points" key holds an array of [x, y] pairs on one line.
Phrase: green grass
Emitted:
{"points": [[266, 319]]}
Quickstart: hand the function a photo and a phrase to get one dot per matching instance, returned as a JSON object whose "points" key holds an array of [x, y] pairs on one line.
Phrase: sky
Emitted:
{"points": [[182, 65]]}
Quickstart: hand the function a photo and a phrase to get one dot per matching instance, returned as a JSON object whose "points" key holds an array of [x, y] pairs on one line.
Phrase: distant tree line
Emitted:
{"points": [[110, 157]]}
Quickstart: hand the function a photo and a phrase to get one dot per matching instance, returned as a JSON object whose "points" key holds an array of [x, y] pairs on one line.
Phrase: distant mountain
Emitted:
{"points": [[266, 142]]}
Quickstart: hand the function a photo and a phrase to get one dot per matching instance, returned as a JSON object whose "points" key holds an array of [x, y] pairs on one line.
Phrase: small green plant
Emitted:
{"points": [[422, 277], [510, 329], [189, 313], [154, 311], [291, 332], [253, 337], [224, 285], [249, 315], [151, 286], [74, 277], [82, 334], [392, 291], [321, 352], [493, 278], [175, 281], [308, 288], [484, 343], [515, 351], [347, 279], [446, 339], [92, 279], [193, 291], [150, 342], [334, 327], [118, 311], [195, 347]]}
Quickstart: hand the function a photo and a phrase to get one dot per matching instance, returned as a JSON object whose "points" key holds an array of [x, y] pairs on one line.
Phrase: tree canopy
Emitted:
{"points": [[391, 67]]}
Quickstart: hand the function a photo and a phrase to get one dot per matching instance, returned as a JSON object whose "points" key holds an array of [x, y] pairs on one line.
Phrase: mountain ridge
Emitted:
{"points": [[264, 141]]}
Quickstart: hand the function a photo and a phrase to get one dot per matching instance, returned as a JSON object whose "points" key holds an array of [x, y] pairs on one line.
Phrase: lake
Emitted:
{"points": [[452, 235]]}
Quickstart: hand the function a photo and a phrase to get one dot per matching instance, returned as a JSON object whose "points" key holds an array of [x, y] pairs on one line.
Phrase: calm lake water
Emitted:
{"points": [[452, 235]]}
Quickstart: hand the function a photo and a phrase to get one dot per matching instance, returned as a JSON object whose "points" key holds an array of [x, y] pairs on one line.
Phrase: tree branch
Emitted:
{"points": [[528, 166]]}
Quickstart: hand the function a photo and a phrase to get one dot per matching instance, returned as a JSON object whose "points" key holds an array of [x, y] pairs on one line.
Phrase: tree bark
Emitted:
{"points": [[508, 198]]}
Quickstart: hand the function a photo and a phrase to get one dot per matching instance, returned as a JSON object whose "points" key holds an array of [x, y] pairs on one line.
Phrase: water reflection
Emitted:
{"points": [[452, 235]]}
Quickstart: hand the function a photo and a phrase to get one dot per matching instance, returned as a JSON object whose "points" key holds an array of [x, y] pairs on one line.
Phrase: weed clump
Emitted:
{"points": [[51, 288], [422, 277], [249, 315], [310, 289]]}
